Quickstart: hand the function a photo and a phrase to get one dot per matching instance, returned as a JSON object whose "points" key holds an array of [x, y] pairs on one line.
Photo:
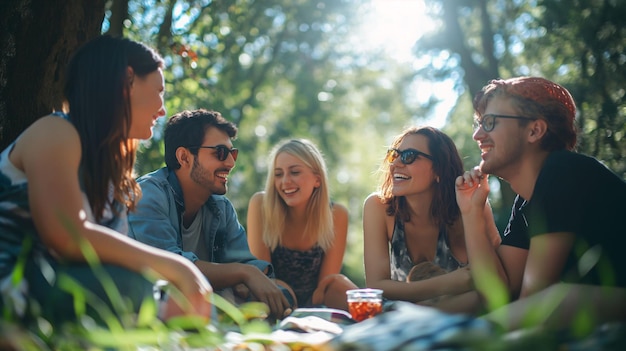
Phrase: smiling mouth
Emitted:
{"points": [[398, 176], [289, 191]]}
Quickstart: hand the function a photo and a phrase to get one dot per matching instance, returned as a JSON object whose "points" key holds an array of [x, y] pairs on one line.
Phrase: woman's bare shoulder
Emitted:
{"points": [[257, 198], [373, 200], [339, 208], [49, 136], [50, 128]]}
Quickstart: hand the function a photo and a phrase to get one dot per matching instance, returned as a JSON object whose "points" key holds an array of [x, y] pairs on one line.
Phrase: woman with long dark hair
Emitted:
{"points": [[66, 185]]}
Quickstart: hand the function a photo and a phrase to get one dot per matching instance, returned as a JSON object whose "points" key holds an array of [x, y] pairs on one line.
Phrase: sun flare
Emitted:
{"points": [[396, 25]]}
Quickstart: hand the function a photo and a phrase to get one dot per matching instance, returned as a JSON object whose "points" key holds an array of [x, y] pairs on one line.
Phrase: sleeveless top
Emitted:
{"points": [[17, 230], [299, 269], [401, 263]]}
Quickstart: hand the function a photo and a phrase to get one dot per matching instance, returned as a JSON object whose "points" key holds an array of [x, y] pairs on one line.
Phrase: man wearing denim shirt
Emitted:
{"points": [[183, 209]]}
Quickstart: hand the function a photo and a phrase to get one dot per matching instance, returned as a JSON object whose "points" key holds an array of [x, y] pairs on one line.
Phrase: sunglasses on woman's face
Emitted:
{"points": [[221, 151], [407, 156]]}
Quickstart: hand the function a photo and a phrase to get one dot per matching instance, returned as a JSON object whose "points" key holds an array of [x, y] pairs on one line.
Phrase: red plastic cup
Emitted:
{"points": [[364, 303]]}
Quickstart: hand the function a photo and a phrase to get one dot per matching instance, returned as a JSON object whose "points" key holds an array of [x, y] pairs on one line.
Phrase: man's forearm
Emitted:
{"points": [[224, 275], [487, 270]]}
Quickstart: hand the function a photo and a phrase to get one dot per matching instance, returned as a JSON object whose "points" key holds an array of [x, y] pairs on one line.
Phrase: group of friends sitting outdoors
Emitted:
{"points": [[73, 213]]}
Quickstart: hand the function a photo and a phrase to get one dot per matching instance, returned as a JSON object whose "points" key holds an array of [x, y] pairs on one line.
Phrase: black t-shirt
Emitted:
{"points": [[516, 231], [576, 193]]}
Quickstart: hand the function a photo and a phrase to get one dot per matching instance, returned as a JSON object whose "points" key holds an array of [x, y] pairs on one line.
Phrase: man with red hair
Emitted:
{"points": [[565, 238]]}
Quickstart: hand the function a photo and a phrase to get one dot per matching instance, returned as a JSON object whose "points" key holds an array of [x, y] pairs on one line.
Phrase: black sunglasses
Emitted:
{"points": [[407, 156], [222, 151]]}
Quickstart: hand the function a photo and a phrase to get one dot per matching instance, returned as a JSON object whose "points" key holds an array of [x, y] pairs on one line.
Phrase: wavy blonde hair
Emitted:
{"points": [[319, 210]]}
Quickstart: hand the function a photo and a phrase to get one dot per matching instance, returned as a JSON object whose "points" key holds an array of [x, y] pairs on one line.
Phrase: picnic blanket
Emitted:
{"points": [[406, 326]]}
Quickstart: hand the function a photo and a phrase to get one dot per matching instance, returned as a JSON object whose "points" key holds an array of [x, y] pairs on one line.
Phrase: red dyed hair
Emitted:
{"points": [[539, 98]]}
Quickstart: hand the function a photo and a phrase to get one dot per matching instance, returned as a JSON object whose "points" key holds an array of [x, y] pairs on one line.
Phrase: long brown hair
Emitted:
{"points": [[447, 165], [96, 90]]}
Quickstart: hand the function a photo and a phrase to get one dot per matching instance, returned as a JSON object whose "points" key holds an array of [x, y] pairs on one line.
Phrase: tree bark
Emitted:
{"points": [[37, 38], [119, 14]]}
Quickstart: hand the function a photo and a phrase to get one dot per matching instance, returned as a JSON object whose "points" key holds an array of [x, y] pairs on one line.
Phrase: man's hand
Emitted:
{"points": [[472, 189], [241, 291], [266, 291]]}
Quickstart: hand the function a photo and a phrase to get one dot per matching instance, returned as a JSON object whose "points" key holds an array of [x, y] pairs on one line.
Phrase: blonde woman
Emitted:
{"points": [[294, 225]]}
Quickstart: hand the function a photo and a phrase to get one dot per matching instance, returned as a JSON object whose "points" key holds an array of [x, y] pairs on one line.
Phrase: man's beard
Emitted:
{"points": [[200, 175]]}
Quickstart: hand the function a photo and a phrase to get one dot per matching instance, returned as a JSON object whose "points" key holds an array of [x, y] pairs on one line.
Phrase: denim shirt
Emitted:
{"points": [[157, 221]]}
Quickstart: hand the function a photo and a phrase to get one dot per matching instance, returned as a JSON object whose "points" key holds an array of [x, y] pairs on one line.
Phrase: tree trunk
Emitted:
{"points": [[37, 38], [119, 14]]}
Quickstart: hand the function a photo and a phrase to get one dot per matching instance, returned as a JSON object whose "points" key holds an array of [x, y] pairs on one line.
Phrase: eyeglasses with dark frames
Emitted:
{"points": [[222, 151], [488, 121], [407, 156]]}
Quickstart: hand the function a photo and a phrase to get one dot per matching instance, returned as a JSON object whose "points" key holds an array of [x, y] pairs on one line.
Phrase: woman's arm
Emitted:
{"points": [[375, 243], [49, 154], [377, 262], [255, 228], [333, 258]]}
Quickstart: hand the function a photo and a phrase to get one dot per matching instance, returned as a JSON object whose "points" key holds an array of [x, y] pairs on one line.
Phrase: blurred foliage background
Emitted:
{"points": [[298, 68]]}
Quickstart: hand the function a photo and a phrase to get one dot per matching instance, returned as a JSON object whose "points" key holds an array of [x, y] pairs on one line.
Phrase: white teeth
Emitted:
{"points": [[289, 191], [222, 175], [400, 176]]}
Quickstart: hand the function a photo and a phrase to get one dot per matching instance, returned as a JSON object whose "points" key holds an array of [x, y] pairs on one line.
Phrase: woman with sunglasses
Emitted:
{"points": [[294, 225], [414, 246], [66, 185]]}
